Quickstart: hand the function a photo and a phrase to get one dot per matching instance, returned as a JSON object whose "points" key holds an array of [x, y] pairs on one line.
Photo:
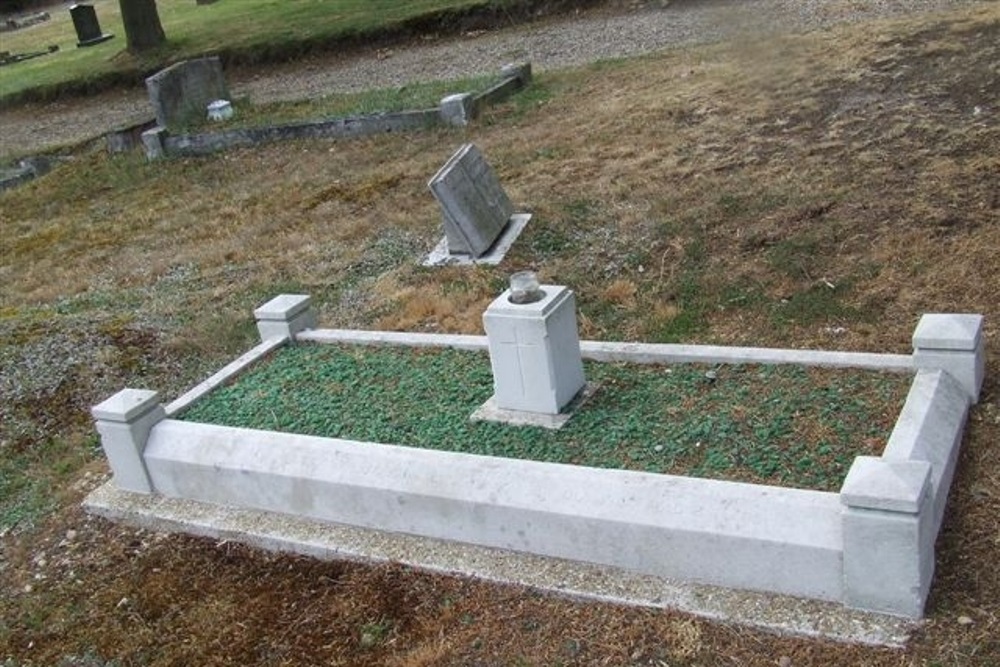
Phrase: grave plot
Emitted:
{"points": [[868, 545], [182, 93]]}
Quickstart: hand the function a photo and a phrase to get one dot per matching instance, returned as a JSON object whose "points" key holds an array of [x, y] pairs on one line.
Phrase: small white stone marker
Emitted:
{"points": [[219, 110], [888, 535]]}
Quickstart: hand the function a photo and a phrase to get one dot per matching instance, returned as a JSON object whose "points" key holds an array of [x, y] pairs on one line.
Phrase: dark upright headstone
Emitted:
{"points": [[88, 30]]}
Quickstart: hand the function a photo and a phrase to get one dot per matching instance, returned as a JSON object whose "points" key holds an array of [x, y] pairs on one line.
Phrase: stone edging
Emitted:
{"points": [[454, 110]]}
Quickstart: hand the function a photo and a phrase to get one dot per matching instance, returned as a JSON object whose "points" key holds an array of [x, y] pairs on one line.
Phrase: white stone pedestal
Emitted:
{"points": [[535, 352]]}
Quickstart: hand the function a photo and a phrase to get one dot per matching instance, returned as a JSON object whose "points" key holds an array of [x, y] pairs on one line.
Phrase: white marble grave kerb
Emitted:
{"points": [[869, 547]]}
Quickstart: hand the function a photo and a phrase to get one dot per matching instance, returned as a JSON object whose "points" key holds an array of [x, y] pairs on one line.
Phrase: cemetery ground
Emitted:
{"points": [[247, 32], [816, 191]]}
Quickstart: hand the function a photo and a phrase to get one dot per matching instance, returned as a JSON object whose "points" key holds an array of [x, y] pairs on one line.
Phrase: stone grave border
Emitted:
{"points": [[26, 21], [27, 169], [869, 547], [454, 110]]}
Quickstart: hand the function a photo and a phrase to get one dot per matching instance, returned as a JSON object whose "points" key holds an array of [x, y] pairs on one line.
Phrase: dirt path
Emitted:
{"points": [[619, 30]]}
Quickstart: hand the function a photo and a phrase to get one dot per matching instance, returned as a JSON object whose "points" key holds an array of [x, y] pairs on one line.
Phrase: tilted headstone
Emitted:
{"points": [[181, 93], [88, 29], [475, 207]]}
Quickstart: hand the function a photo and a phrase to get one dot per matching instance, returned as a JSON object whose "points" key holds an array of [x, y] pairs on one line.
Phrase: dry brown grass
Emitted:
{"points": [[816, 191]]}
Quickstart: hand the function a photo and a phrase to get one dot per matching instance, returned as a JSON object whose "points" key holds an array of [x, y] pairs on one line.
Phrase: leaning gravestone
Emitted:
{"points": [[474, 205], [180, 93]]}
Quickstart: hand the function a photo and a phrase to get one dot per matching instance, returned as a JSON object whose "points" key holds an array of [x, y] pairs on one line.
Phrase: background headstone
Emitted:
{"points": [[180, 93], [474, 206], [88, 29]]}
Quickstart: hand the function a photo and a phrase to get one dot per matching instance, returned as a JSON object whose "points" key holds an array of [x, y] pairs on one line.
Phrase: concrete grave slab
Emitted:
{"points": [[330, 541], [440, 255], [458, 109]]}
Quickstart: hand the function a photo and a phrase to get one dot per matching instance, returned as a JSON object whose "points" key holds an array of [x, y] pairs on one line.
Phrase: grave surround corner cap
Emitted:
{"points": [[948, 331], [126, 406], [283, 307], [517, 69], [554, 295], [892, 486]]}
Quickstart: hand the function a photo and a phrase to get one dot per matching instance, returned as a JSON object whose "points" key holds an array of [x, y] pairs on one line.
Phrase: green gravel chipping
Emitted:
{"points": [[781, 425]]}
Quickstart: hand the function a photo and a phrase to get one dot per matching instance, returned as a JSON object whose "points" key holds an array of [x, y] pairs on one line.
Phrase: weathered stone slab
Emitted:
{"points": [[474, 205], [127, 137], [180, 93], [458, 109]]}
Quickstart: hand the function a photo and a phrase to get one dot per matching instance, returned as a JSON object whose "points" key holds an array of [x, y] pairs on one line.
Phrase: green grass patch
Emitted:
{"points": [[31, 476], [817, 303], [247, 31], [783, 425], [535, 95]]}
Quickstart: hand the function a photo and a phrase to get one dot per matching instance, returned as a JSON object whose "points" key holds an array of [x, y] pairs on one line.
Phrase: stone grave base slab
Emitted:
{"points": [[333, 541], [489, 412], [515, 225]]}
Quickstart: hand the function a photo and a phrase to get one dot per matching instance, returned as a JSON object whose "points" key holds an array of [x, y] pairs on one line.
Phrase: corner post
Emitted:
{"points": [[952, 343], [519, 71], [284, 316], [888, 529], [458, 109], [124, 422], [153, 143]]}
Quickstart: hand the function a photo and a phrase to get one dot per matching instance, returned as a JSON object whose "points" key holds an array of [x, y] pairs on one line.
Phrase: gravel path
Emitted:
{"points": [[626, 29]]}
